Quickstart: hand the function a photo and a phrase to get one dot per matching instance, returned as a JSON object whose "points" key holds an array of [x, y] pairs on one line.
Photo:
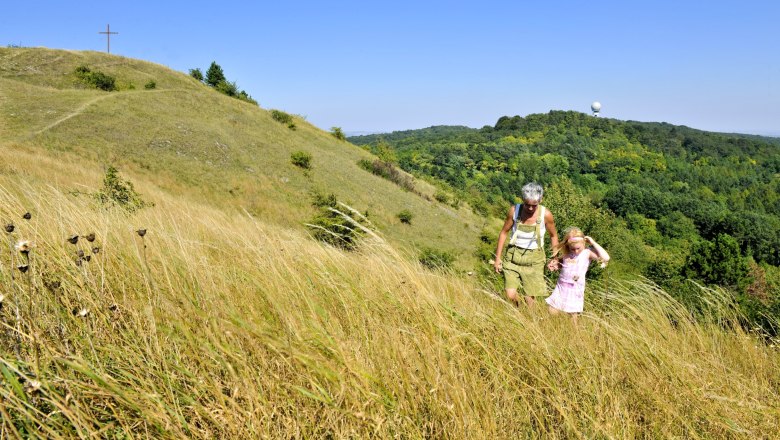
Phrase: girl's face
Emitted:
{"points": [[576, 247]]}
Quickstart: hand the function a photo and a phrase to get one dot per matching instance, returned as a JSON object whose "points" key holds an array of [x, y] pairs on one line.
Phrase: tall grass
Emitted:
{"points": [[216, 325]]}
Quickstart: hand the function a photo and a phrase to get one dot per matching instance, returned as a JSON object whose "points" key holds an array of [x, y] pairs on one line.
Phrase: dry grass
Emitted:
{"points": [[191, 141], [217, 325]]}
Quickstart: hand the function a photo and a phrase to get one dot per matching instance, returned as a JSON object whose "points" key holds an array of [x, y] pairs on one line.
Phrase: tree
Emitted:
{"points": [[215, 75], [718, 262], [197, 74]]}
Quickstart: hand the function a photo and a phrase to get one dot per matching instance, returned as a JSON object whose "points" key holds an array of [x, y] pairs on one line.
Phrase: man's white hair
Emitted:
{"points": [[532, 191]]}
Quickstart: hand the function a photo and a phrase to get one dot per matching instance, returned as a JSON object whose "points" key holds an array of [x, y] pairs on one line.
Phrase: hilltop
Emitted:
{"points": [[187, 140]]}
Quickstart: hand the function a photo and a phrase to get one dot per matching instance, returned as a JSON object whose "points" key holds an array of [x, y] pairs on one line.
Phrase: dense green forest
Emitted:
{"points": [[672, 203]]}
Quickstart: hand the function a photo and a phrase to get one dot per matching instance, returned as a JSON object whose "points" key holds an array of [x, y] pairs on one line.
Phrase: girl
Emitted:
{"points": [[569, 293]]}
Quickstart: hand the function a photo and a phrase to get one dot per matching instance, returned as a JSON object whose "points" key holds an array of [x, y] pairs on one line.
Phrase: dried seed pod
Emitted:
{"points": [[96, 250], [141, 232], [73, 239], [9, 228], [88, 258], [27, 216], [23, 268], [113, 307], [80, 253], [90, 237]]}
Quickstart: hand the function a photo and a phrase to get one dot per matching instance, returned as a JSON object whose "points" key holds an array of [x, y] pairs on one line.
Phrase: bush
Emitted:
{"points": [[301, 159], [405, 216], [150, 85], [389, 172], [442, 197], [435, 259], [96, 78], [334, 226], [338, 133], [284, 118], [119, 192], [197, 74]]}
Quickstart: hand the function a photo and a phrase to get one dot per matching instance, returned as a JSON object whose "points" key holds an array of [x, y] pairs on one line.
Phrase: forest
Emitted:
{"points": [[674, 204]]}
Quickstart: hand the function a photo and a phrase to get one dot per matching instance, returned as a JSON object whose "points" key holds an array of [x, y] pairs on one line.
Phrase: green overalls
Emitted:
{"points": [[524, 268]]}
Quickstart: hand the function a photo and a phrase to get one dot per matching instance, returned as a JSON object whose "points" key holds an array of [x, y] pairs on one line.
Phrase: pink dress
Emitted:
{"points": [[569, 294]]}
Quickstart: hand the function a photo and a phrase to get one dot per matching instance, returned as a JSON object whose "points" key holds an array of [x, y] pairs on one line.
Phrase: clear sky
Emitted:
{"points": [[370, 66]]}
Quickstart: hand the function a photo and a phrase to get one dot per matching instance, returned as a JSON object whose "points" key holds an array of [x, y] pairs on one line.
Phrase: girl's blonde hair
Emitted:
{"points": [[570, 234]]}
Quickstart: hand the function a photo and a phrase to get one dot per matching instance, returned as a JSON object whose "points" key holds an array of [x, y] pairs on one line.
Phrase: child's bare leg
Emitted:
{"points": [[552, 310], [530, 301], [511, 294]]}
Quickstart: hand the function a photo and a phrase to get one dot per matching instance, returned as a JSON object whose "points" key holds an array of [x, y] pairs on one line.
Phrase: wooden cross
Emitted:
{"points": [[108, 37]]}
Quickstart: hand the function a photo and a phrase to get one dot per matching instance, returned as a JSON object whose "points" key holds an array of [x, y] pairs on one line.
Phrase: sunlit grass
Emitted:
{"points": [[219, 325]]}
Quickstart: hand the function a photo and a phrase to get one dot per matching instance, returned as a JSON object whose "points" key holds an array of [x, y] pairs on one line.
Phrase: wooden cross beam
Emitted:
{"points": [[108, 37]]}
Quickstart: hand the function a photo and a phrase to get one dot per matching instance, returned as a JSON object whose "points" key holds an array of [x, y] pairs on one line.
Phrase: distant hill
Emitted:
{"points": [[186, 139]]}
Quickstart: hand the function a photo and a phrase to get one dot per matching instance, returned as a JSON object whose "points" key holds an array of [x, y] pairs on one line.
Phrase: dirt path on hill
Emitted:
{"points": [[85, 105]]}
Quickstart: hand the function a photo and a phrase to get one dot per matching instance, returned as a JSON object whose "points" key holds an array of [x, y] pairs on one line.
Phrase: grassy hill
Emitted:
{"points": [[186, 139], [219, 324]]}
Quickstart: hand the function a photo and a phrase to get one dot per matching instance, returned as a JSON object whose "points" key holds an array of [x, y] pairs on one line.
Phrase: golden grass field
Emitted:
{"points": [[228, 321]]}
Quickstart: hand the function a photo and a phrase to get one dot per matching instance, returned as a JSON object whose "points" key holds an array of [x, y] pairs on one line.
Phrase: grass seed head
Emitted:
{"points": [[73, 239], [24, 246], [33, 386]]}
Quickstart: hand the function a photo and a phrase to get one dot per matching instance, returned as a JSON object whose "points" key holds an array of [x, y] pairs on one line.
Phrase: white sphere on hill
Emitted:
{"points": [[596, 106]]}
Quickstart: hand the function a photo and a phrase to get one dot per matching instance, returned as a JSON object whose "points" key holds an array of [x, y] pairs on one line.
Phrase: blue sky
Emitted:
{"points": [[379, 66]]}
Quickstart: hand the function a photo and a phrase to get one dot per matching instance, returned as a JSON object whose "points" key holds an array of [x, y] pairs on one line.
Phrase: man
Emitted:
{"points": [[523, 265]]}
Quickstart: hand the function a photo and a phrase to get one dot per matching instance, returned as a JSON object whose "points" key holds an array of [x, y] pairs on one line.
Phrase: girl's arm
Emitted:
{"points": [[600, 253]]}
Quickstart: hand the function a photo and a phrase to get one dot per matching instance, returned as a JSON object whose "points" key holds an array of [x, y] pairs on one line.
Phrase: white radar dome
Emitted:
{"points": [[596, 106]]}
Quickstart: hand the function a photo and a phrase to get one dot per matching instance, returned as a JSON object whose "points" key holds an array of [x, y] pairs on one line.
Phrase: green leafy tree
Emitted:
{"points": [[718, 262]]}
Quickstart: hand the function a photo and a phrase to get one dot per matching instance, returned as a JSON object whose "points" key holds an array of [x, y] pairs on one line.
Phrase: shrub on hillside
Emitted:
{"points": [[389, 172], [197, 74], [119, 192], [301, 159], [336, 225], [150, 85], [284, 118], [95, 78], [442, 197], [338, 133], [405, 216], [436, 259]]}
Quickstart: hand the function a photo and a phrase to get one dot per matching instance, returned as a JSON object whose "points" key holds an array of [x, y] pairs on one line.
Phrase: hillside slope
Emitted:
{"points": [[190, 141]]}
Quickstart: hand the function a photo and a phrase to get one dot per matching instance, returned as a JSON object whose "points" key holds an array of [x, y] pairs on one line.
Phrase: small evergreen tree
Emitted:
{"points": [[215, 75]]}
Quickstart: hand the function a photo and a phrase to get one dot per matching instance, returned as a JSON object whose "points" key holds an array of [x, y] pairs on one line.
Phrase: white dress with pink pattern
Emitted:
{"points": [[569, 294]]}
